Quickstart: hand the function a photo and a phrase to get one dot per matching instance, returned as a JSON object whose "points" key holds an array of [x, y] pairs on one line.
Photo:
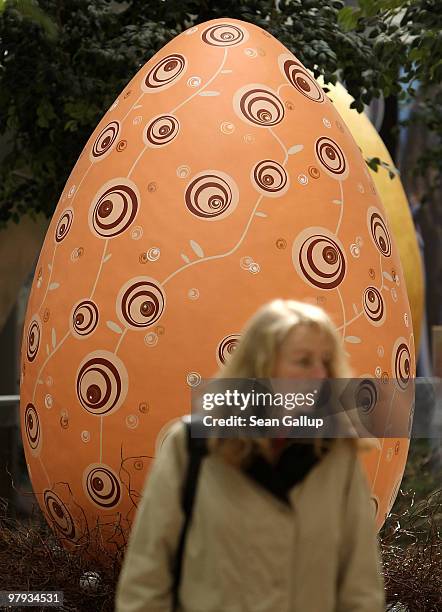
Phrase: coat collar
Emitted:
{"points": [[293, 465]]}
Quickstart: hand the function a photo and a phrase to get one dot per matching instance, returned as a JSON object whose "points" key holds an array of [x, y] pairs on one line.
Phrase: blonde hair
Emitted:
{"points": [[265, 332], [255, 357]]}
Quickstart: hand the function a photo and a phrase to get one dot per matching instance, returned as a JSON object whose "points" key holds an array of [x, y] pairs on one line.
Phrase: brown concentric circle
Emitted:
{"points": [[32, 427], [59, 515], [401, 363], [161, 130], [211, 195], [269, 178], [331, 157], [164, 73], [378, 231], [319, 258], [101, 383], [84, 318], [64, 225], [374, 307], [226, 348], [140, 302], [114, 208], [366, 396], [105, 141], [224, 35], [300, 78], [102, 486], [258, 105], [33, 338]]}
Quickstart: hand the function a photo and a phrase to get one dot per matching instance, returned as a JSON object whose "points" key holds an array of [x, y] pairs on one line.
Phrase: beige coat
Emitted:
{"points": [[246, 551]]}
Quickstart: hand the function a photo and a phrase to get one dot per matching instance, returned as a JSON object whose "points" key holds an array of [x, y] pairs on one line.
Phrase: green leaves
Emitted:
{"points": [[45, 113], [374, 163], [80, 113], [63, 63], [348, 18], [30, 10]]}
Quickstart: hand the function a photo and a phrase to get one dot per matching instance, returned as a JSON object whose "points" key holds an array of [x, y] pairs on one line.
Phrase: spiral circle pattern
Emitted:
{"points": [[224, 35], [366, 396], [374, 307], [193, 294], [314, 172], [183, 171], [301, 80], [64, 225], [193, 379], [140, 302], [33, 338], [331, 157], [161, 130], [84, 318], [258, 105], [132, 421], [153, 254], [136, 233], [105, 141], [102, 486], [319, 258], [59, 515], [32, 426], [114, 208], [165, 73], [269, 178], [378, 231], [211, 195], [226, 348], [101, 383], [151, 339], [227, 127], [401, 363]]}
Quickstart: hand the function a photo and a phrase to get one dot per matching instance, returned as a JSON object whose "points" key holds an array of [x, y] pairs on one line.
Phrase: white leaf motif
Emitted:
{"points": [[108, 256], [295, 149], [260, 214], [185, 258], [54, 338], [114, 327], [196, 248], [353, 339], [53, 286]]}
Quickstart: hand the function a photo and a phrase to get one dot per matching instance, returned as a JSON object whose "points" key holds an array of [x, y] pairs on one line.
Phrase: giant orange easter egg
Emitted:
{"points": [[221, 177]]}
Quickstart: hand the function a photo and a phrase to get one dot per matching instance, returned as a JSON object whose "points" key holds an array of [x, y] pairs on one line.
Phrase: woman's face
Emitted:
{"points": [[305, 353]]}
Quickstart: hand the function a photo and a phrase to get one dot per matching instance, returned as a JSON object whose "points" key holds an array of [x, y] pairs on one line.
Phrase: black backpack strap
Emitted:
{"points": [[197, 449]]}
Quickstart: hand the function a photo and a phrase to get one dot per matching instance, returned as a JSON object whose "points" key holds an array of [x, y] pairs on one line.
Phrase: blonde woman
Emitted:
{"points": [[277, 525]]}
